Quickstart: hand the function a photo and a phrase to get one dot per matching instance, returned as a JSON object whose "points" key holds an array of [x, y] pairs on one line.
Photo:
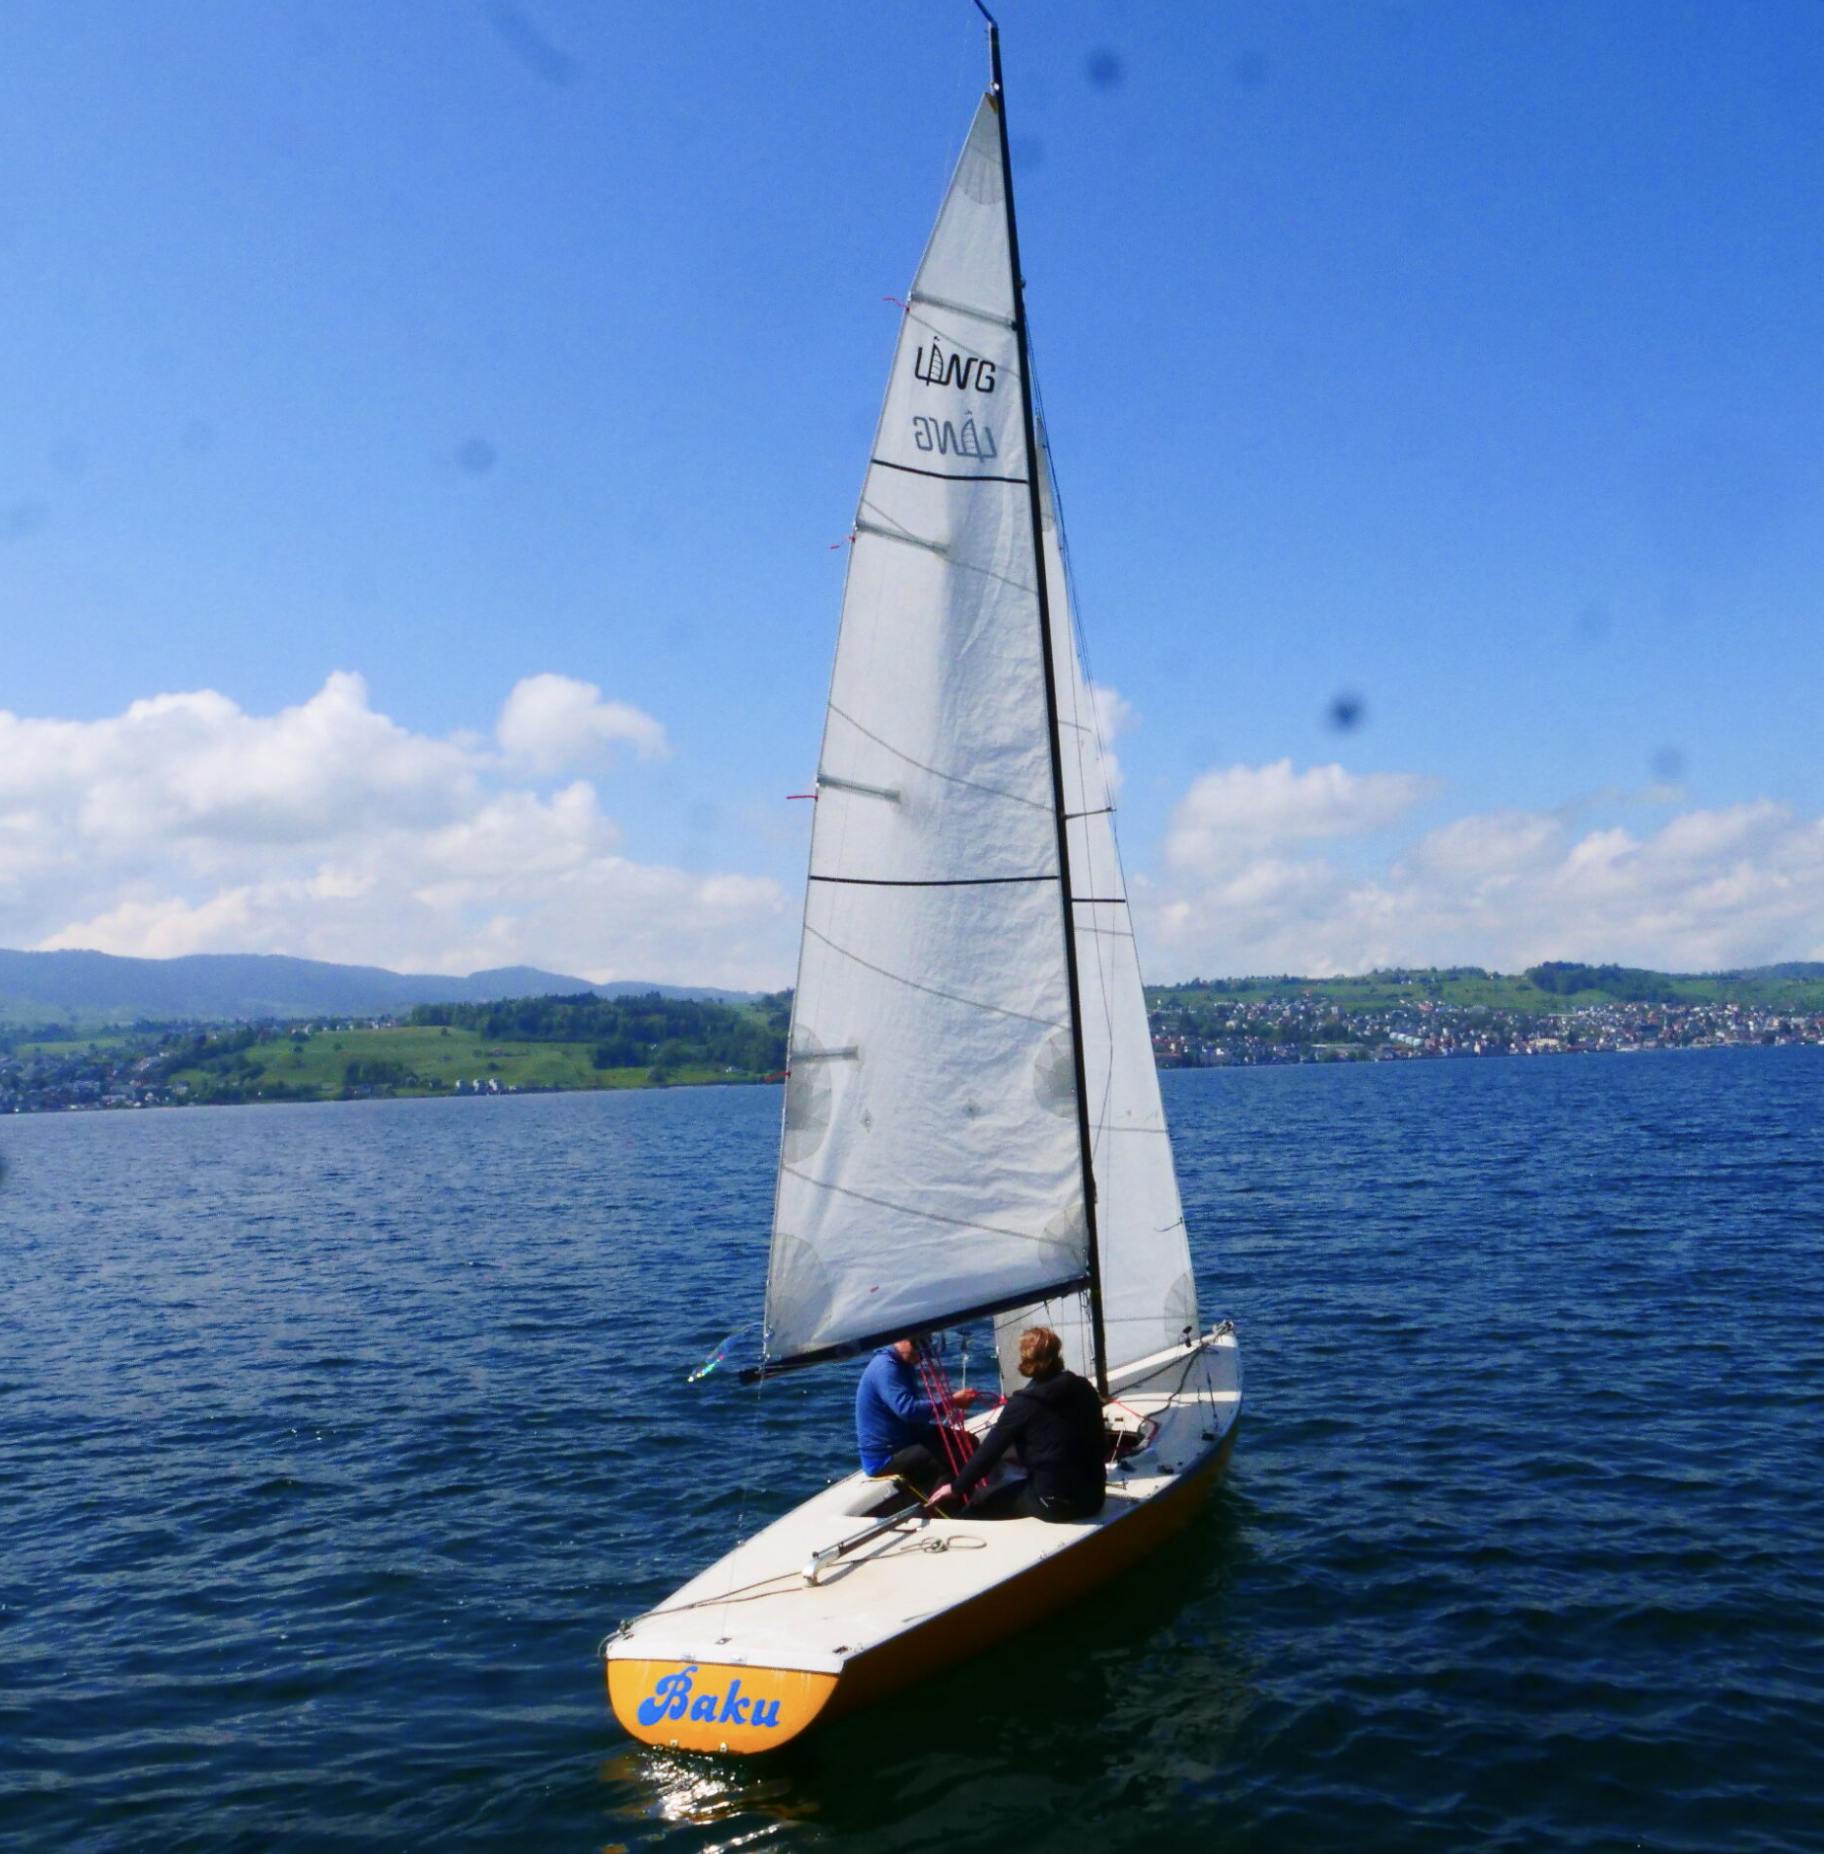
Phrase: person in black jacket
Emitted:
{"points": [[1056, 1418]]}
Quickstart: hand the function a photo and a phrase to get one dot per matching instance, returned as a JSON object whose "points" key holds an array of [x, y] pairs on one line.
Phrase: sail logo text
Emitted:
{"points": [[948, 439], [672, 1698], [959, 370]]}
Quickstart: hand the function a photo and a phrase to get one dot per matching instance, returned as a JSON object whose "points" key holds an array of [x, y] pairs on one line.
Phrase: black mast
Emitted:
{"points": [[1033, 465]]}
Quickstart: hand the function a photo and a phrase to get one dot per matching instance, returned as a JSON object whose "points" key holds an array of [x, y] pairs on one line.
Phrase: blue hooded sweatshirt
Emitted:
{"points": [[891, 1411]]}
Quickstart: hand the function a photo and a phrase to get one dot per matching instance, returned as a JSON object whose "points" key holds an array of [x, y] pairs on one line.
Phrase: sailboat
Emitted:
{"points": [[972, 1124]]}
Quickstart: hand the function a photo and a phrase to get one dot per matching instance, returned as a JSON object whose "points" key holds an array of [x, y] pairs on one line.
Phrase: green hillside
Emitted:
{"points": [[1555, 986], [538, 1044]]}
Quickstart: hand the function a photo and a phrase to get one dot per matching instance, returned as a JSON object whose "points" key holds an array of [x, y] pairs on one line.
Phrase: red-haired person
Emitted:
{"points": [[1056, 1418]]}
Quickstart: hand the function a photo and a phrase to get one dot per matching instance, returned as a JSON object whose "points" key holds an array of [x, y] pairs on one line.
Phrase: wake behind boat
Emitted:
{"points": [[973, 1125]]}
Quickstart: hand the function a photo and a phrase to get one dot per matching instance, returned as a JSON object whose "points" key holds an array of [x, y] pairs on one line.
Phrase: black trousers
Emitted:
{"points": [[1020, 1500], [919, 1465]]}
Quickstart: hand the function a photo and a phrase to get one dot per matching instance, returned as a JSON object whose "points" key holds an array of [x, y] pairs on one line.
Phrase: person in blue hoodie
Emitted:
{"points": [[896, 1423]]}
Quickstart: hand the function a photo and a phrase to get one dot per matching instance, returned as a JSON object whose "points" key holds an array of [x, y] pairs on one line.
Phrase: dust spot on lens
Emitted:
{"points": [[1346, 711], [530, 46], [1104, 68], [1669, 764], [21, 519], [477, 456]]}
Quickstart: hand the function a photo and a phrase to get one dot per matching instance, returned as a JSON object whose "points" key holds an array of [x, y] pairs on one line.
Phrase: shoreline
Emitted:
{"points": [[514, 1092]]}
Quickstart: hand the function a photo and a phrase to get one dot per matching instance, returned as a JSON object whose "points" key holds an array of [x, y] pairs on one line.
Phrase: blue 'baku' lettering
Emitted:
{"points": [[673, 1698]]}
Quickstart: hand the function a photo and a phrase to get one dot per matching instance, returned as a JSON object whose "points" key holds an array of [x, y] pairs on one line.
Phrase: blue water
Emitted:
{"points": [[333, 1438]]}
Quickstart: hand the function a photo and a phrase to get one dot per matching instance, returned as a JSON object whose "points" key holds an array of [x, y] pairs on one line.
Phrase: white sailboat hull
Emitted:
{"points": [[761, 1646]]}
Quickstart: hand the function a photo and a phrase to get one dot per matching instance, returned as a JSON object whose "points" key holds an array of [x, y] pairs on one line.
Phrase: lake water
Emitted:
{"points": [[332, 1439]]}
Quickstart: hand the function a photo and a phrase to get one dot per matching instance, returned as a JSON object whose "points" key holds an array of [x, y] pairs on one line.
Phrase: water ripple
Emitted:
{"points": [[332, 1438]]}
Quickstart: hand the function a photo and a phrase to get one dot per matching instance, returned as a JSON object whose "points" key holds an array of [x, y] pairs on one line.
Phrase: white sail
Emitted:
{"points": [[930, 1164], [1149, 1296], [944, 1084]]}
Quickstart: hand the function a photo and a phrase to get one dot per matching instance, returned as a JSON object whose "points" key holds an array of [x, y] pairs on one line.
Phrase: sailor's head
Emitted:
{"points": [[1041, 1352], [909, 1348]]}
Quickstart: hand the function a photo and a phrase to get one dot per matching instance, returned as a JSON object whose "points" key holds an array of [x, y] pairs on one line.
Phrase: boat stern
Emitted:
{"points": [[713, 1706]]}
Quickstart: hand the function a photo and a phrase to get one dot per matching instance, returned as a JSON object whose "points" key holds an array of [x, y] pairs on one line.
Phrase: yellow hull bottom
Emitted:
{"points": [[704, 1706]]}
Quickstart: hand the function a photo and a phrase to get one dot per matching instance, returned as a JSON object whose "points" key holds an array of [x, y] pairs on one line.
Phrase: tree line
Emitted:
{"points": [[648, 1031]]}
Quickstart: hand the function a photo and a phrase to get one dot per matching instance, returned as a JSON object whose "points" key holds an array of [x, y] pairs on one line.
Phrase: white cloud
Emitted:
{"points": [[1114, 716], [552, 722], [193, 768], [1241, 808], [186, 824], [1739, 885]]}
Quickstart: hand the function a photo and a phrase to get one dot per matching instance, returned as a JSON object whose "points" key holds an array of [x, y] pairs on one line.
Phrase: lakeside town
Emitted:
{"points": [[382, 1056], [1316, 1029]]}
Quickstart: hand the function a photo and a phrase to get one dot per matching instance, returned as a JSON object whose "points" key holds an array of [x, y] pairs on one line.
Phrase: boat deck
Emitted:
{"points": [[757, 1608]]}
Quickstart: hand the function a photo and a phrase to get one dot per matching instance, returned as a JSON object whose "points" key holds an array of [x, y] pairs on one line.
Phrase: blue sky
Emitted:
{"points": [[1466, 359]]}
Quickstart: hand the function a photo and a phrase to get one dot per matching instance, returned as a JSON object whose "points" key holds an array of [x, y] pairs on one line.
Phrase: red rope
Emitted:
{"points": [[958, 1444]]}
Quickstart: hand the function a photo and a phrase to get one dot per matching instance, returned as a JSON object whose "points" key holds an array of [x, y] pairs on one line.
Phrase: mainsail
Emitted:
{"points": [[1149, 1296], [931, 1164]]}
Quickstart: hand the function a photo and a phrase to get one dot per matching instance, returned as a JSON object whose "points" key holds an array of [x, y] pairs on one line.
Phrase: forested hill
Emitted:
{"points": [[104, 988], [652, 1032]]}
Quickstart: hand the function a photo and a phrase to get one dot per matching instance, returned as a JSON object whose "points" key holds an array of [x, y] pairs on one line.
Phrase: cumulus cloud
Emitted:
{"points": [[195, 769], [186, 824], [1238, 808], [550, 723], [1114, 716], [1735, 885]]}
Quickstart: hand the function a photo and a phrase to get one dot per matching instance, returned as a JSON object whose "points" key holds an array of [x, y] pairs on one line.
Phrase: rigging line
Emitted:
{"points": [[788, 1581], [924, 1216], [1035, 508], [937, 772], [1080, 684], [1100, 901], [952, 997], [1074, 604], [945, 476], [932, 882], [751, 1457]]}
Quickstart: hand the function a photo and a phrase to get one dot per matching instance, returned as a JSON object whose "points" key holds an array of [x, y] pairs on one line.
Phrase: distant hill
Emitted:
{"points": [[96, 988]]}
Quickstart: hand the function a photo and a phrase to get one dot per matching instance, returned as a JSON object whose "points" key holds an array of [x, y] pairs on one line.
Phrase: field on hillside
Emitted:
{"points": [[415, 1060]]}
